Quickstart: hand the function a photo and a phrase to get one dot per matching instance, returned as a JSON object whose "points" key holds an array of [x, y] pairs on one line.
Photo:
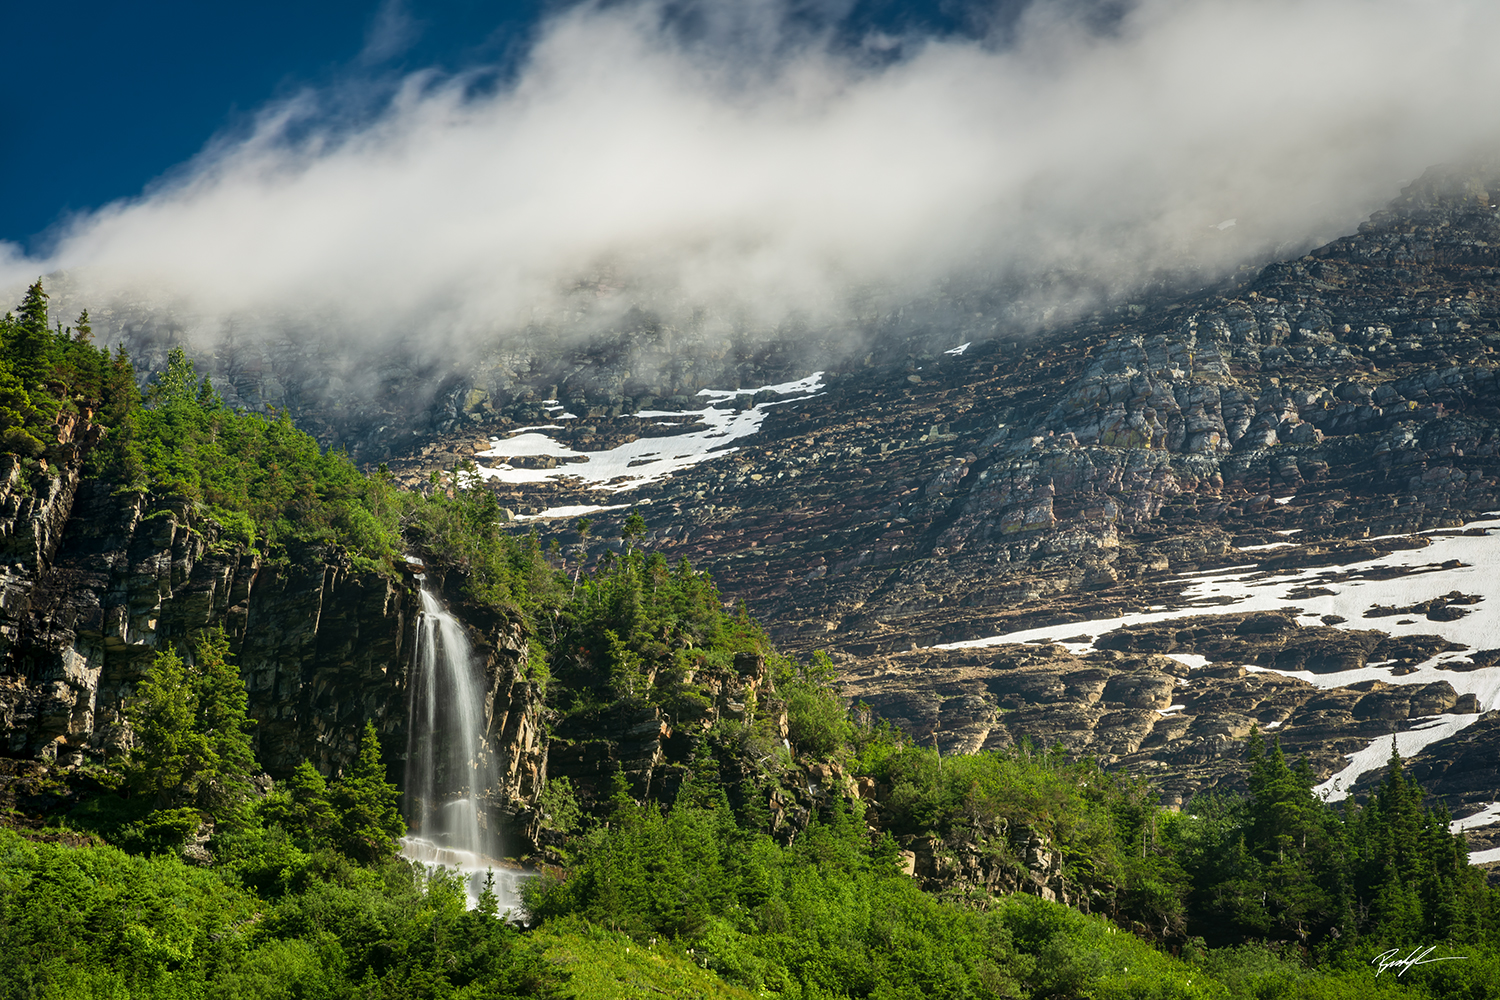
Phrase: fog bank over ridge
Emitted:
{"points": [[776, 175]]}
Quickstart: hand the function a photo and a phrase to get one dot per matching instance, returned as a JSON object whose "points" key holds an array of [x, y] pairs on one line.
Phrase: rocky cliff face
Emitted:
{"points": [[100, 581]]}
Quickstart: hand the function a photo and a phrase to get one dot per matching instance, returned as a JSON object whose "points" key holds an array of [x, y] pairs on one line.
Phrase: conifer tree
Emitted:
{"points": [[633, 529], [167, 747], [1293, 837], [224, 722], [120, 395], [179, 383], [369, 821], [16, 413], [191, 732], [208, 396], [28, 345], [301, 806]]}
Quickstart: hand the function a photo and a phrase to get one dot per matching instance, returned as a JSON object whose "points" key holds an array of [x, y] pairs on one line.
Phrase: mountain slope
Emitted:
{"points": [[921, 492], [1317, 416]]}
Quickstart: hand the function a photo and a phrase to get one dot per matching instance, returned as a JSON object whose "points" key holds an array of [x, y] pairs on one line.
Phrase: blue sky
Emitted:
{"points": [[102, 97]]}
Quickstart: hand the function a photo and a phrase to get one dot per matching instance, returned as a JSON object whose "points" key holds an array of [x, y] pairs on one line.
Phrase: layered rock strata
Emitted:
{"points": [[100, 581], [1084, 472]]}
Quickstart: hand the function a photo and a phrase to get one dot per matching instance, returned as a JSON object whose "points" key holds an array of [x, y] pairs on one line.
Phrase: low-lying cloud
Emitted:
{"points": [[761, 172]]}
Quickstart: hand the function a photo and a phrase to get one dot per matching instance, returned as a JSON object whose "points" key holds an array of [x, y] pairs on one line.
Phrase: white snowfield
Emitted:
{"points": [[1489, 814], [1476, 550], [644, 460], [576, 510]]}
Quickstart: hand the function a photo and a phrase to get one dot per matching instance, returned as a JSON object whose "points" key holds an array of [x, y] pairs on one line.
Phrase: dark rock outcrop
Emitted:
{"points": [[101, 581]]}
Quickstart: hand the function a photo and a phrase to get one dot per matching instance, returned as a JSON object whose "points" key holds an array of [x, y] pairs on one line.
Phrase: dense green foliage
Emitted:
{"points": [[830, 914], [305, 897], [266, 482], [369, 822], [825, 917], [48, 372], [192, 766], [96, 922], [192, 732], [1283, 865], [463, 522], [639, 628], [268, 485], [998, 803]]}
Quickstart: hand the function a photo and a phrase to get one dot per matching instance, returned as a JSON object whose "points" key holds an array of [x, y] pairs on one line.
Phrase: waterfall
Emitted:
{"points": [[450, 769]]}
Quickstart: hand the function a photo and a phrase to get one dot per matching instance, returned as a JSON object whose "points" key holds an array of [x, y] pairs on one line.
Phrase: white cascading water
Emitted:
{"points": [[450, 770]]}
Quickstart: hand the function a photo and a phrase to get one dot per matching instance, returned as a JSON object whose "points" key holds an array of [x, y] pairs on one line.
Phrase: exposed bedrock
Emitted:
{"points": [[1131, 705], [1079, 473], [101, 581]]}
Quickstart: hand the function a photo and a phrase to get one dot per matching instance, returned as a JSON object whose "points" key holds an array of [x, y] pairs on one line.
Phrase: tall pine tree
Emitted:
{"points": [[369, 821], [28, 344]]}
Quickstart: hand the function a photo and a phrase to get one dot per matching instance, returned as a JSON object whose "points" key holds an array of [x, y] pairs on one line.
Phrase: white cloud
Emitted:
{"points": [[391, 32], [763, 183]]}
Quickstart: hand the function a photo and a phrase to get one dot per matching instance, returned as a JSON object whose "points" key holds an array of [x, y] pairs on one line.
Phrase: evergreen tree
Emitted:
{"points": [[168, 749], [120, 395], [633, 529], [1295, 852], [369, 822], [1412, 877], [301, 806], [17, 418], [208, 397], [179, 383], [224, 722], [28, 342], [703, 788], [190, 723]]}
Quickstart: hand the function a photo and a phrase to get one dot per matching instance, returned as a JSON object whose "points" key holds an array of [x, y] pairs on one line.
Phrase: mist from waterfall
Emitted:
{"points": [[450, 768]]}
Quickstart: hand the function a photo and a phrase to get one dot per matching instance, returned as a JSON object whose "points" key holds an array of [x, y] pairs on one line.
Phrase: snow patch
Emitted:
{"points": [[812, 383], [1465, 562], [577, 510], [1489, 814], [644, 460], [1374, 756]]}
